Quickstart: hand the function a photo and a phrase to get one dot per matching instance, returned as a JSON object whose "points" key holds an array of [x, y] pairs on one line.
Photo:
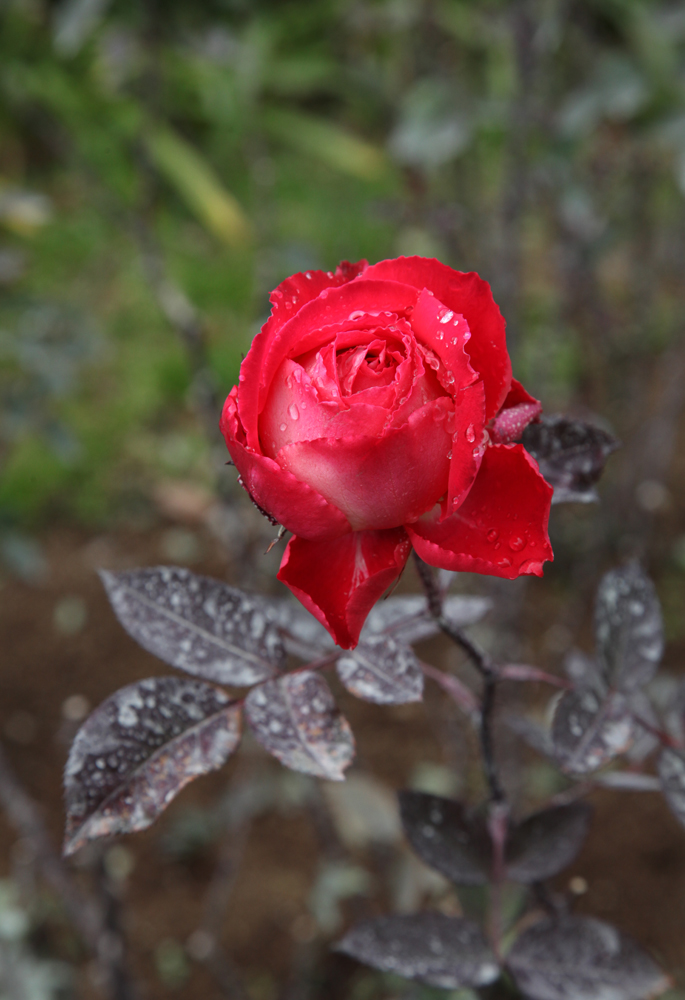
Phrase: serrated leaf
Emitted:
{"points": [[382, 671], [447, 837], [671, 768], [571, 455], [138, 749], [588, 732], [628, 628], [296, 719], [197, 624], [448, 952], [546, 842], [580, 958], [408, 620]]}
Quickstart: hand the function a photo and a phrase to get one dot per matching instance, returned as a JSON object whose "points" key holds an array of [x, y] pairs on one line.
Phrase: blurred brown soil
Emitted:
{"points": [[633, 863]]}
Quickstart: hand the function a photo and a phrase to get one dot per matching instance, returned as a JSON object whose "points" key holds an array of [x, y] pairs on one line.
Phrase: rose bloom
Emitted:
{"points": [[376, 411]]}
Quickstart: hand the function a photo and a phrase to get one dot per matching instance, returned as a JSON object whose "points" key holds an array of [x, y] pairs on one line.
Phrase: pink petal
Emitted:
{"points": [[340, 581], [278, 493], [519, 409], [380, 482], [469, 296], [501, 528]]}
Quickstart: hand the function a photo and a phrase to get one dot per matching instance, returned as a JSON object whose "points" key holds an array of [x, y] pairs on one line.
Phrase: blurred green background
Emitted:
{"points": [[166, 163]]}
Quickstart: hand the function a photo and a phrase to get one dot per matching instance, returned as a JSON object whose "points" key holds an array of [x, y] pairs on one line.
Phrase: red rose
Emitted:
{"points": [[375, 411]]}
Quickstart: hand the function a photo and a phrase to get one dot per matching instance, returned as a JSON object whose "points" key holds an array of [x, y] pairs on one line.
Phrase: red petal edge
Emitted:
{"points": [[469, 295], [518, 410], [501, 528], [341, 580], [290, 502]]}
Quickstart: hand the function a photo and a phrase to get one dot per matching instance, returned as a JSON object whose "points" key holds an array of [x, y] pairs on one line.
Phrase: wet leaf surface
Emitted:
{"points": [[588, 732], [671, 768], [546, 842], [408, 620], [629, 628], [297, 720], [138, 749], [197, 624], [571, 455], [383, 671], [580, 958], [447, 837], [448, 952]]}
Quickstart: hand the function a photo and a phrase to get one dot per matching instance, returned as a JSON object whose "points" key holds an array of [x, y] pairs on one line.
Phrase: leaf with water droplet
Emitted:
{"points": [[546, 842], [447, 836], [296, 719], [138, 749], [443, 951], [408, 619], [628, 627], [383, 671], [588, 732], [571, 455], [197, 624], [580, 958]]}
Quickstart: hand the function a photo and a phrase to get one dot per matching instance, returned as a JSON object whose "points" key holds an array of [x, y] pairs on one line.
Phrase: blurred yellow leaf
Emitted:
{"points": [[327, 142], [196, 182]]}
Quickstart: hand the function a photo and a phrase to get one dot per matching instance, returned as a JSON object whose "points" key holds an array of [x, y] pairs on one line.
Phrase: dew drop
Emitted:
{"points": [[447, 316], [516, 543], [294, 300], [492, 535], [282, 427], [504, 563], [357, 314], [449, 377], [293, 411], [440, 335], [308, 276], [449, 455], [470, 434]]}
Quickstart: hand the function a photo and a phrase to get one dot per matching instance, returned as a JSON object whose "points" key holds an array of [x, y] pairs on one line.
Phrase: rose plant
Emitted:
{"points": [[376, 411]]}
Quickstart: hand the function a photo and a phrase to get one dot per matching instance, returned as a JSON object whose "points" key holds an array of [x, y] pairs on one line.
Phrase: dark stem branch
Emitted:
{"points": [[481, 662]]}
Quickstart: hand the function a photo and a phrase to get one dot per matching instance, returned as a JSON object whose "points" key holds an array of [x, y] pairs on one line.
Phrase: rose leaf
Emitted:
{"points": [[383, 671], [446, 837], [296, 719], [546, 842], [197, 624], [571, 455], [138, 749], [628, 627], [443, 951], [588, 732]]}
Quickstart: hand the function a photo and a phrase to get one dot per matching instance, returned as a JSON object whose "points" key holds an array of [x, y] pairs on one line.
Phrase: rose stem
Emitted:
{"points": [[482, 663]]}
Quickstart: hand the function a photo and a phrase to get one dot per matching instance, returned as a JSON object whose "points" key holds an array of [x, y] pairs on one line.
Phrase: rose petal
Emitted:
{"points": [[340, 581], [306, 331], [278, 493], [380, 482], [447, 334], [518, 410], [467, 445], [470, 296], [501, 528]]}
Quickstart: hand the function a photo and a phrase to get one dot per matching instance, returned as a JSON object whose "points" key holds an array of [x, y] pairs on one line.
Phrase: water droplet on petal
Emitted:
{"points": [[504, 563], [357, 314], [308, 276], [440, 335], [282, 428], [293, 411], [449, 455], [470, 434], [492, 535], [447, 316], [516, 543]]}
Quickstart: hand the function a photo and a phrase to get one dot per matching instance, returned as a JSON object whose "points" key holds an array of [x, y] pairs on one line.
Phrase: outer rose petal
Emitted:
{"points": [[470, 296], [447, 334], [501, 528], [517, 412], [340, 581], [380, 482], [292, 503]]}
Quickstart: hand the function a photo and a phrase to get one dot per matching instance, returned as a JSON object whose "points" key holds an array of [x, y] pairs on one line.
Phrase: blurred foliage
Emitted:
{"points": [[225, 145]]}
